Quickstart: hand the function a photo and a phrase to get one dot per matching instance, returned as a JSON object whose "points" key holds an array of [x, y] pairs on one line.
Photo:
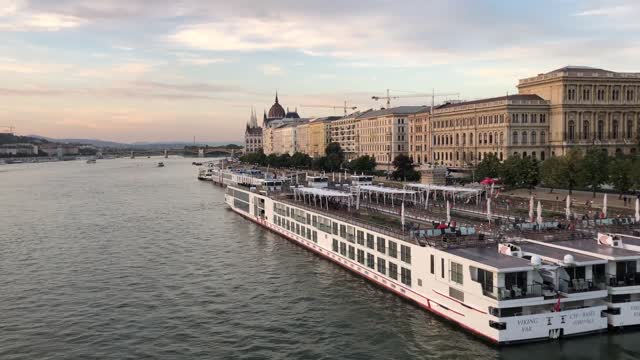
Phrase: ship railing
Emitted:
{"points": [[628, 279], [513, 292], [578, 285]]}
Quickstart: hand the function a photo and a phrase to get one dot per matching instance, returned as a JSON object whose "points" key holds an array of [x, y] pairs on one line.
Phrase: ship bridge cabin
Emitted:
{"points": [[357, 180], [319, 182], [621, 274]]}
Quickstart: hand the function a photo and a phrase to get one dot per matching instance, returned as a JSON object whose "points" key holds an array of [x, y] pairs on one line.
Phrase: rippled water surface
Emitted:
{"points": [[124, 260]]}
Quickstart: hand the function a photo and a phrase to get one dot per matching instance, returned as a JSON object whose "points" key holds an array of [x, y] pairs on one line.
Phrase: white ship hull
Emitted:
{"points": [[426, 287]]}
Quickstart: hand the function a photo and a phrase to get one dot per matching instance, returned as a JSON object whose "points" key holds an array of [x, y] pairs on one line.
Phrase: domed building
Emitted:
{"points": [[278, 116]]}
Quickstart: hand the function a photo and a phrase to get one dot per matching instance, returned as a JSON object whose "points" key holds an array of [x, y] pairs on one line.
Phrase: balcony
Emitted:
{"points": [[513, 292], [628, 279], [582, 285]]}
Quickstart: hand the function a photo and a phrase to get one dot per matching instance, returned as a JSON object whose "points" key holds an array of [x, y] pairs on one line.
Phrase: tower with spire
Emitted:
{"points": [[252, 134]]}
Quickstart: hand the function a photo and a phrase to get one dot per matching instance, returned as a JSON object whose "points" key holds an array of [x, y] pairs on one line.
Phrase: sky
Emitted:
{"points": [[169, 70]]}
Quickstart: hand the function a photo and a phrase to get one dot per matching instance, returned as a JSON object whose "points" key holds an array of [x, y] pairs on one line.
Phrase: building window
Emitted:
{"points": [[470, 139], [600, 129], [571, 94], [586, 94], [572, 130], [382, 266], [533, 138], [514, 140], [585, 129], [629, 128], [615, 95], [381, 245], [614, 129], [393, 271], [629, 95], [600, 94], [543, 137], [370, 261], [543, 118], [524, 138], [393, 249], [405, 276], [405, 254], [456, 273], [370, 241], [515, 118]]}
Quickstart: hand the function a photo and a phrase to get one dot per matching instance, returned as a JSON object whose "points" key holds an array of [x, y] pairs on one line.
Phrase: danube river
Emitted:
{"points": [[125, 260]]}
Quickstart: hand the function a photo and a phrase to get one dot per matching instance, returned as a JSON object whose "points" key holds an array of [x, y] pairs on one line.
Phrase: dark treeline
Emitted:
{"points": [[575, 170]]}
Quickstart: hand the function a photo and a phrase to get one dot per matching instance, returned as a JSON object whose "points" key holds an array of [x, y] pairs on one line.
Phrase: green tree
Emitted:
{"points": [[571, 169], [301, 160], [334, 157], [530, 175], [404, 169], [319, 163], [552, 172], [363, 164], [620, 174], [594, 169], [510, 171], [489, 167]]}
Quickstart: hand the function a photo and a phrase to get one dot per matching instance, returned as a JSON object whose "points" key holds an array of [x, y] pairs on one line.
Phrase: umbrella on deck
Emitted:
{"points": [[568, 207], [604, 206], [448, 212], [539, 211], [531, 209]]}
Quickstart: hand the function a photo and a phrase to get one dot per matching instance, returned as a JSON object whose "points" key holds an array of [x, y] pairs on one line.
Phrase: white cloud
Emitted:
{"points": [[606, 11], [15, 16], [271, 70]]}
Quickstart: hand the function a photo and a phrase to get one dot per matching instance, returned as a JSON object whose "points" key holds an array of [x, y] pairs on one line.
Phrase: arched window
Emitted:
{"points": [[585, 129], [490, 138], [533, 138], [614, 129], [524, 138], [470, 138], [485, 138], [600, 129], [572, 130], [514, 140], [629, 127], [457, 139], [543, 138], [501, 138], [464, 140]]}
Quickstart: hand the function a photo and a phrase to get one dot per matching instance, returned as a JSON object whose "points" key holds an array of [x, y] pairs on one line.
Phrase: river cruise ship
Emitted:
{"points": [[505, 293]]}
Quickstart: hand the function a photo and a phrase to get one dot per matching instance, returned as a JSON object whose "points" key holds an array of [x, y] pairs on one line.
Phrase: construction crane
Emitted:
{"points": [[345, 107], [433, 95], [10, 127]]}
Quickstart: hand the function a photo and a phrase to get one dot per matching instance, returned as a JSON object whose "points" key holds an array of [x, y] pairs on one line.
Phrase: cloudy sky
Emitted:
{"points": [[157, 70]]}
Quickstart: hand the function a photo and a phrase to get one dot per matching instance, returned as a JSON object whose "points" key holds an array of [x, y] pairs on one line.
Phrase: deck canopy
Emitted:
{"points": [[320, 196], [383, 194]]}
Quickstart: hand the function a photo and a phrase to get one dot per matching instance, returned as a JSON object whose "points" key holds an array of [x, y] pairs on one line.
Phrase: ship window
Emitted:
{"points": [[442, 268], [343, 231], [315, 236], [433, 264], [370, 241], [335, 228], [405, 254], [352, 252], [370, 261], [381, 245], [405, 276], [343, 249], [393, 271], [419, 282], [360, 256], [393, 249], [335, 245], [382, 266], [456, 273], [360, 237], [486, 279]]}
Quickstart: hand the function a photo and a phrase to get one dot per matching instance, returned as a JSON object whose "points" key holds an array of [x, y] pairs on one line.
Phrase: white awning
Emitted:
{"points": [[454, 189], [385, 190], [321, 192]]}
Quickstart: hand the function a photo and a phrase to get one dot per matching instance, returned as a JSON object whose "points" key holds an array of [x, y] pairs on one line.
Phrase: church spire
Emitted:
{"points": [[276, 96]]}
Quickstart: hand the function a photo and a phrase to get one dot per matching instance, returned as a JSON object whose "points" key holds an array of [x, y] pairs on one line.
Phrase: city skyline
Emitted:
{"points": [[157, 71]]}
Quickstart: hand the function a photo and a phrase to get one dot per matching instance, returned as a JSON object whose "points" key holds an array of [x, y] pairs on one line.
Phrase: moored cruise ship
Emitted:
{"points": [[501, 292]]}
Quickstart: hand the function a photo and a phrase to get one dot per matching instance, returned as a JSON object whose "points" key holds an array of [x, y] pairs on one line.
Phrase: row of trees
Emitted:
{"points": [[575, 170], [333, 160]]}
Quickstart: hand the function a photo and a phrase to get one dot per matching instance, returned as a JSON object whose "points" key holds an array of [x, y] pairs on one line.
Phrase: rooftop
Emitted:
{"points": [[591, 247], [558, 254], [515, 97], [399, 110], [490, 256]]}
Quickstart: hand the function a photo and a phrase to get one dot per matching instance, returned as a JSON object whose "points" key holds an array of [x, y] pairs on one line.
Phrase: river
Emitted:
{"points": [[124, 260]]}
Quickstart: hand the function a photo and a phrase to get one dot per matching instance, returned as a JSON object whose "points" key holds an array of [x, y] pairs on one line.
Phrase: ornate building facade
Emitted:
{"points": [[589, 107], [384, 134], [252, 135], [278, 135], [462, 134]]}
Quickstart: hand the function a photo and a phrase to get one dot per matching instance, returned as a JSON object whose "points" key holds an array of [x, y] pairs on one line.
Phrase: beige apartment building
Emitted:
{"points": [[302, 137], [384, 134], [589, 107], [343, 132], [267, 140], [462, 134]]}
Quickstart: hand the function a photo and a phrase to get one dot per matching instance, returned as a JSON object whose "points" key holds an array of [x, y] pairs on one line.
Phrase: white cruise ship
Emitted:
{"points": [[501, 292]]}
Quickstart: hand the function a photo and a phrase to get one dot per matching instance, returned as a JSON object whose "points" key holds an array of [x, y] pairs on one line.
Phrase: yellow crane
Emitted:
{"points": [[334, 107], [433, 95]]}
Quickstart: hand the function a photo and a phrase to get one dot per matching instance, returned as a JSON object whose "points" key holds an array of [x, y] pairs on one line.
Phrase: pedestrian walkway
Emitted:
{"points": [[578, 197]]}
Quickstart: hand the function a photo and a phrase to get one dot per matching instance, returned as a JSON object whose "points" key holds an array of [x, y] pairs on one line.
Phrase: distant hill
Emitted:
{"points": [[13, 139], [138, 145]]}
